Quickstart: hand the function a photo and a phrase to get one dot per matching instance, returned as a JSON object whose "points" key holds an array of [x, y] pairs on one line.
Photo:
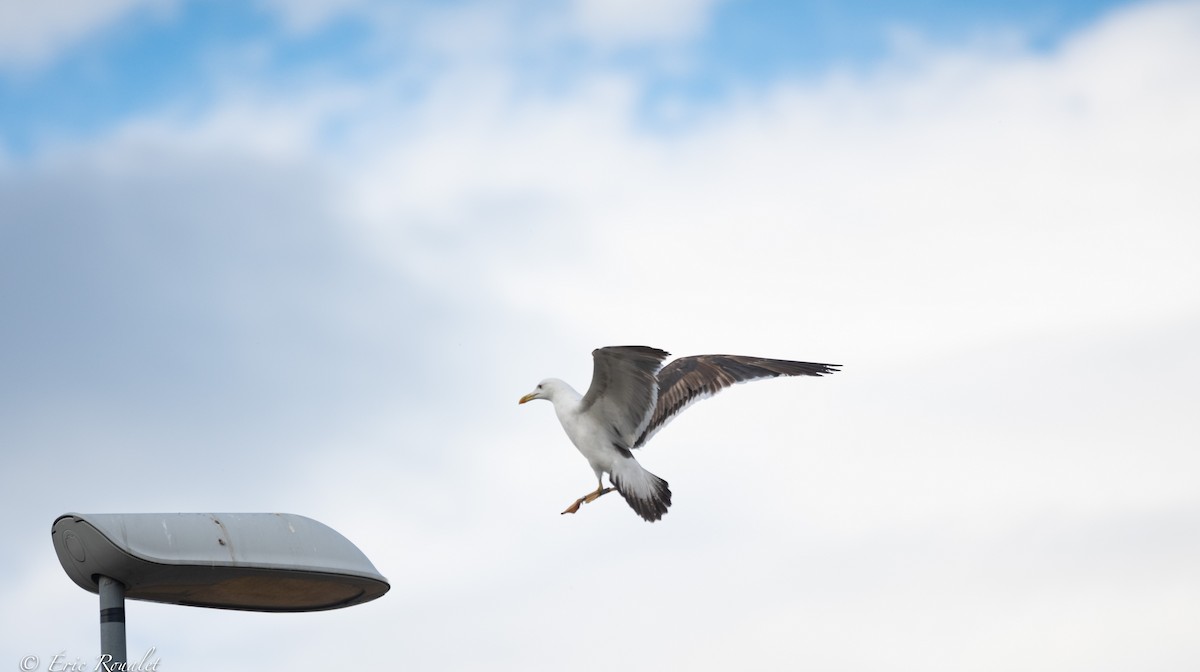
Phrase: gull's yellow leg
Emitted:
{"points": [[590, 497], [596, 495]]}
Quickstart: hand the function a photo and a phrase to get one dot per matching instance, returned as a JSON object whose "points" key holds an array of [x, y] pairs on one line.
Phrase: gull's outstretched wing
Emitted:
{"points": [[687, 380], [624, 390]]}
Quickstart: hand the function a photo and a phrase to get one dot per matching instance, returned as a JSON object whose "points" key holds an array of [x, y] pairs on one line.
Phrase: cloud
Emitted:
{"points": [[625, 21], [619, 23], [244, 310], [32, 35], [997, 194], [302, 17]]}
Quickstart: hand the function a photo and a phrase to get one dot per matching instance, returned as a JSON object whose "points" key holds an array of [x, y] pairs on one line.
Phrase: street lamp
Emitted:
{"points": [[274, 562]]}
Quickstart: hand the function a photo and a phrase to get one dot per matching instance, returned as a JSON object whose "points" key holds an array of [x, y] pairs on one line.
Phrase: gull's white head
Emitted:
{"points": [[544, 390]]}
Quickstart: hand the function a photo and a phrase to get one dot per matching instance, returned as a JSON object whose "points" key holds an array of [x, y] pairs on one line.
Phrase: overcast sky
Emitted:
{"points": [[305, 257]]}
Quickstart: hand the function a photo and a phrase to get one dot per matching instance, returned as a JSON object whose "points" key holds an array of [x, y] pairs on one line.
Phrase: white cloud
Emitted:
{"points": [[629, 21], [35, 33], [965, 198], [604, 23], [998, 246], [309, 15]]}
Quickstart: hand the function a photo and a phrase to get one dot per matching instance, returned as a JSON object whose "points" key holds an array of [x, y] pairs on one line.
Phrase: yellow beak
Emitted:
{"points": [[529, 397]]}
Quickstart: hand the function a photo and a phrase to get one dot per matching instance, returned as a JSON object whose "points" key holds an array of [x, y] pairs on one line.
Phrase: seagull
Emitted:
{"points": [[631, 397]]}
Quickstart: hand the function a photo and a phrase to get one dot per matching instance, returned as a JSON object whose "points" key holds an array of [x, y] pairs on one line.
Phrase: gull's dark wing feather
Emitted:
{"points": [[624, 389], [687, 380]]}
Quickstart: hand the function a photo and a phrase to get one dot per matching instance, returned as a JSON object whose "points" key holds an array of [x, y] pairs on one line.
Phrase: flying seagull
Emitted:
{"points": [[631, 397]]}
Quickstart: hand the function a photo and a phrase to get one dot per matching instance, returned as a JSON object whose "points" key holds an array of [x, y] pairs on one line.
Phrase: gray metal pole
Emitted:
{"points": [[112, 620]]}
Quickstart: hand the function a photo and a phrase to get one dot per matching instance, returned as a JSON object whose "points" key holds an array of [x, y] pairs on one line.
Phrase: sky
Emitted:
{"points": [[306, 257]]}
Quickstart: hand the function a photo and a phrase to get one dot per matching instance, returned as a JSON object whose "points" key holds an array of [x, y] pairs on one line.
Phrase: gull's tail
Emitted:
{"points": [[646, 493]]}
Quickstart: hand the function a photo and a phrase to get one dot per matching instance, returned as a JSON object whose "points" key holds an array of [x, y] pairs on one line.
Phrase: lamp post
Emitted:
{"points": [[273, 562], [112, 619]]}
